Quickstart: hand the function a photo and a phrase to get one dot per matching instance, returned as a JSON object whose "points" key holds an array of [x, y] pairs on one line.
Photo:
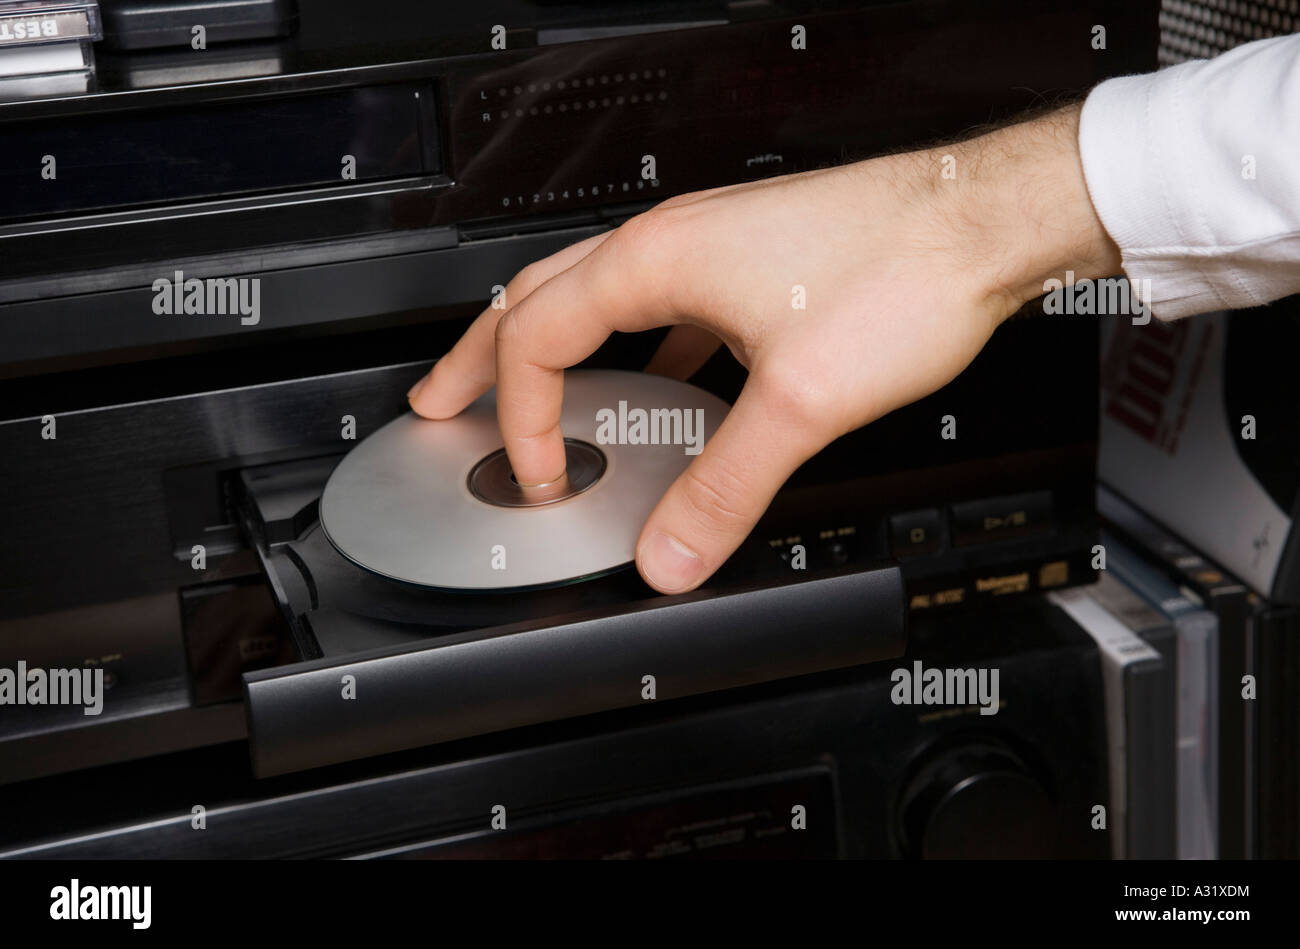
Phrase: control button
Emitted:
{"points": [[1015, 515], [915, 533], [837, 545], [977, 801]]}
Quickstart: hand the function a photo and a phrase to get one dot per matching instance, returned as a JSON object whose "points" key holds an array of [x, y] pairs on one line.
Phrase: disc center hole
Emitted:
{"points": [[493, 481]]}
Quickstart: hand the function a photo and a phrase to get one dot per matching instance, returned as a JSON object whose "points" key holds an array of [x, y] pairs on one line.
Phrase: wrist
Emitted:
{"points": [[1031, 218]]}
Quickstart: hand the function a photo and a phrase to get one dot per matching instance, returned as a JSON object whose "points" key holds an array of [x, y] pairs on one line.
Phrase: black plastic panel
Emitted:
{"points": [[139, 24], [531, 135], [197, 151], [491, 680], [842, 724]]}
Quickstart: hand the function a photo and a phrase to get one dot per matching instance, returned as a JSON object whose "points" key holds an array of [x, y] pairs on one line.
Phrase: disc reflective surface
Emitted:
{"points": [[423, 502]]}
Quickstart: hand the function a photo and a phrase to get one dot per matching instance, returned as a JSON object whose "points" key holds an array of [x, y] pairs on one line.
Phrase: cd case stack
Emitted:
{"points": [[45, 47]]}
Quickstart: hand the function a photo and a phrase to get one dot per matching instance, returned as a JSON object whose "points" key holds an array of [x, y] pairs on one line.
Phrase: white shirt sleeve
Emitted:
{"points": [[1195, 173]]}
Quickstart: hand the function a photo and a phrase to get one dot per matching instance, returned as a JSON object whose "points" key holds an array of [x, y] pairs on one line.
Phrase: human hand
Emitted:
{"points": [[906, 273]]}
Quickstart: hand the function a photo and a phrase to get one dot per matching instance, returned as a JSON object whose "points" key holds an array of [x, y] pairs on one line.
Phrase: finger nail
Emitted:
{"points": [[415, 389], [669, 564]]}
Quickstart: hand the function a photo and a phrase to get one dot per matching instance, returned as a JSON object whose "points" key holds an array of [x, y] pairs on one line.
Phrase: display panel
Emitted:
{"points": [[128, 159]]}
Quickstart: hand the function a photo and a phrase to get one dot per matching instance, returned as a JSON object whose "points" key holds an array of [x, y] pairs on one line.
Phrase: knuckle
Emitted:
{"points": [[527, 280], [507, 329], [794, 395], [677, 200], [649, 232], [648, 256], [715, 501], [540, 432]]}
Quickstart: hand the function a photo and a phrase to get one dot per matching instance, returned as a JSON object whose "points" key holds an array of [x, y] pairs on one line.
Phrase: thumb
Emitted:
{"points": [[714, 504]]}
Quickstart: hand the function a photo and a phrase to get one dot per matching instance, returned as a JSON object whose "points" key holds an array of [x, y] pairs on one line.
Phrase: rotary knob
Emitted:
{"points": [[976, 801]]}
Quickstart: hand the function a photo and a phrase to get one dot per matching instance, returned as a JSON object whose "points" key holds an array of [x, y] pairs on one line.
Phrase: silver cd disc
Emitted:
{"points": [[434, 502]]}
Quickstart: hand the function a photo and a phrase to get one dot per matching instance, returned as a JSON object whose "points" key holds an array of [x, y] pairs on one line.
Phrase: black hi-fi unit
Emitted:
{"points": [[374, 179], [854, 763]]}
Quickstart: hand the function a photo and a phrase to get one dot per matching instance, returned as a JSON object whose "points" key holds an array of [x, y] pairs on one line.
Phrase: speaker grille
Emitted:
{"points": [[1200, 29]]}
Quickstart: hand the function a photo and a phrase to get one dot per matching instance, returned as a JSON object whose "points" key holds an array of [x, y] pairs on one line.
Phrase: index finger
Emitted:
{"points": [[621, 286], [469, 369]]}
